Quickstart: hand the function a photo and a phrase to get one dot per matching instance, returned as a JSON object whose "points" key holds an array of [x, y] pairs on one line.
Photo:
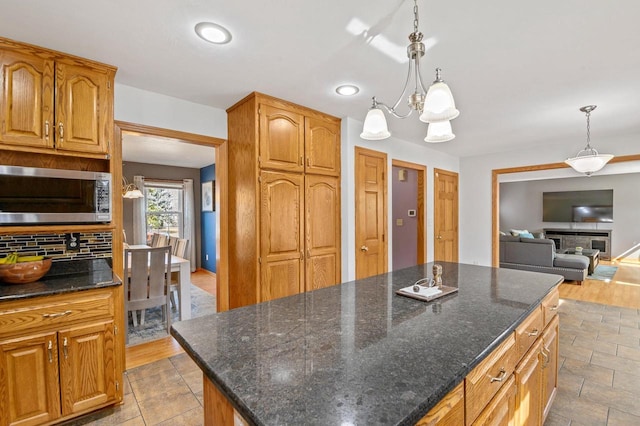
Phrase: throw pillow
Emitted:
{"points": [[526, 235], [538, 234], [503, 233], [517, 232]]}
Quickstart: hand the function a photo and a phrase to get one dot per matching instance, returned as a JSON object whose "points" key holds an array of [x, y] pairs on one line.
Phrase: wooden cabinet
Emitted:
{"points": [[284, 200], [549, 357], [495, 396], [448, 412], [58, 357], [528, 378], [53, 101]]}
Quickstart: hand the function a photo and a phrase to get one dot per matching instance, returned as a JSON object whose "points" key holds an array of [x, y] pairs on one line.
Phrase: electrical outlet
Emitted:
{"points": [[206, 257], [72, 241]]}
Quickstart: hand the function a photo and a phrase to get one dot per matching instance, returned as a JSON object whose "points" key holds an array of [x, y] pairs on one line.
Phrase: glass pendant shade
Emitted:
{"points": [[133, 193], [439, 132], [439, 104], [375, 126], [588, 163]]}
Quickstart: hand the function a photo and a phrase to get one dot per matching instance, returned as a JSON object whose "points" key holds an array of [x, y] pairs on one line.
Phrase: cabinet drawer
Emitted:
{"points": [[488, 377], [16, 317], [528, 332], [550, 306]]}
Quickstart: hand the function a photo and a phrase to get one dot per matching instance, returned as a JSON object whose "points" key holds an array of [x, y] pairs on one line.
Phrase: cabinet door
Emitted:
{"points": [[82, 108], [322, 229], [281, 139], [87, 366], [26, 106], [549, 365], [281, 235], [30, 393], [501, 410], [322, 146], [529, 384]]}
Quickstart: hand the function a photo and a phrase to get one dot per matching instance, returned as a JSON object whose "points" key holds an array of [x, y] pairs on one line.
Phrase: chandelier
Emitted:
{"points": [[129, 190], [588, 161], [435, 105]]}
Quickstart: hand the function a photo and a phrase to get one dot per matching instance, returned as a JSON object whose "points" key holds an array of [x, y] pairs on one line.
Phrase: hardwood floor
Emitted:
{"points": [[167, 347], [623, 290]]}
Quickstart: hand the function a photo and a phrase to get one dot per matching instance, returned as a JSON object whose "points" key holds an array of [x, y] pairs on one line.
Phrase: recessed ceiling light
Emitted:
{"points": [[347, 90], [213, 33]]}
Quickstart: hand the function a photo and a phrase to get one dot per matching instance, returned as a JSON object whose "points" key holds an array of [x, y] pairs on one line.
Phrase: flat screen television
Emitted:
{"points": [[595, 206]]}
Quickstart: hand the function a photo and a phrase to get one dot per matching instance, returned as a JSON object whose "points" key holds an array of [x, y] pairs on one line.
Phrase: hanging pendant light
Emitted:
{"points": [[588, 161], [439, 132], [434, 105], [130, 190]]}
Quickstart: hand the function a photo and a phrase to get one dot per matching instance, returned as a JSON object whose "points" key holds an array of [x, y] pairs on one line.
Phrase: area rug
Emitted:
{"points": [[202, 303], [603, 273]]}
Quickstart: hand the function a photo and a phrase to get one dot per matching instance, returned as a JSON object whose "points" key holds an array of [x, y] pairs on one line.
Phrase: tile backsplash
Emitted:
{"points": [[93, 245]]}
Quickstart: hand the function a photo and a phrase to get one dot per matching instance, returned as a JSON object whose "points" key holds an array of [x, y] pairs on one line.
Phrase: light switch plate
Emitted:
{"points": [[399, 222]]}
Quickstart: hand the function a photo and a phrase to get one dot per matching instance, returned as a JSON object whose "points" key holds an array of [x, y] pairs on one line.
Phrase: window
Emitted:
{"points": [[164, 208]]}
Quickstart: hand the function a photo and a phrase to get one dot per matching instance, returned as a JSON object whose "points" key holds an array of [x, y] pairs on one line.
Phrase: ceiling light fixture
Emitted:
{"points": [[588, 161], [129, 190], [213, 33], [347, 90], [435, 105]]}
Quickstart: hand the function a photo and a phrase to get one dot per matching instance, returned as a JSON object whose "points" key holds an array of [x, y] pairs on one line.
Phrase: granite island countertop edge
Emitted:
{"points": [[411, 417]]}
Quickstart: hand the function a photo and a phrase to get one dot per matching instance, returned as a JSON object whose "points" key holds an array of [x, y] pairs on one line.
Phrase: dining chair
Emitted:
{"points": [[161, 241], [154, 239], [173, 241], [180, 250], [147, 286]]}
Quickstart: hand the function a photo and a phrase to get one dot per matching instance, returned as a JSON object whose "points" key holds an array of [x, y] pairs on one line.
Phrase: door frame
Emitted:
{"points": [[495, 196], [421, 208], [220, 145], [385, 246]]}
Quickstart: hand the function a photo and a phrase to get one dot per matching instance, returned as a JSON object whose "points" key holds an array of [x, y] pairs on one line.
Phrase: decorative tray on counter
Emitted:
{"points": [[426, 294]]}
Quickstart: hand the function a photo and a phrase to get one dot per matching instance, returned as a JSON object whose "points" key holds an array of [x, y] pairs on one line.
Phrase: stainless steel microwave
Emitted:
{"points": [[31, 195]]}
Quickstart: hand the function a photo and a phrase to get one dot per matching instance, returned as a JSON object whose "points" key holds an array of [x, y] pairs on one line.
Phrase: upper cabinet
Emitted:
{"points": [[54, 103], [293, 142]]}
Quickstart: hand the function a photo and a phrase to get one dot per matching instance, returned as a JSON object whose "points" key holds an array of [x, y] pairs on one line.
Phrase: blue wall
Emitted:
{"points": [[208, 228]]}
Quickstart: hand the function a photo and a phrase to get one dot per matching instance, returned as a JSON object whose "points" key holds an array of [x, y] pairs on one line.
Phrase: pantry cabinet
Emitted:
{"points": [[54, 102], [284, 200], [57, 357]]}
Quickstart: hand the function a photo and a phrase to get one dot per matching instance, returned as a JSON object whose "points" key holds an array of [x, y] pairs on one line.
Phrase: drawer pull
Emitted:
{"points": [[545, 354], [56, 315], [65, 348], [50, 351], [500, 377], [553, 308], [534, 333]]}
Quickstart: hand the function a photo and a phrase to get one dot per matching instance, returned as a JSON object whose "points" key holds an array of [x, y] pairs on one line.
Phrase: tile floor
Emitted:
{"points": [[599, 377], [165, 392]]}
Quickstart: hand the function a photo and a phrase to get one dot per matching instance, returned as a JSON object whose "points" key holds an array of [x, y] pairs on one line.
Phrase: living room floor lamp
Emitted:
{"points": [[588, 161]]}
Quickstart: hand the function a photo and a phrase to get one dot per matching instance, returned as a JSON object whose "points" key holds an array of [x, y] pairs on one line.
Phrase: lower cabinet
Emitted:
{"points": [[59, 366], [448, 412], [524, 398], [501, 409]]}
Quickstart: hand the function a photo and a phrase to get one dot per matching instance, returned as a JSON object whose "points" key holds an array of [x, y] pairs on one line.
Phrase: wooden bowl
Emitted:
{"points": [[24, 272]]}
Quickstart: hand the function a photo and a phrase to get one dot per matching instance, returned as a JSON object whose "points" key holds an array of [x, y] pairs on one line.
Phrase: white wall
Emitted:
{"points": [[396, 149], [475, 188], [521, 206], [153, 109]]}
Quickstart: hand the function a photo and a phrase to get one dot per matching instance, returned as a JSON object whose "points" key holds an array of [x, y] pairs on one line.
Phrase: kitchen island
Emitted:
{"points": [[357, 353]]}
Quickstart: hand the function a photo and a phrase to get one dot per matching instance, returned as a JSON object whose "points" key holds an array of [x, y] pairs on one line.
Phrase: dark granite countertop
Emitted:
{"points": [[64, 277], [357, 353]]}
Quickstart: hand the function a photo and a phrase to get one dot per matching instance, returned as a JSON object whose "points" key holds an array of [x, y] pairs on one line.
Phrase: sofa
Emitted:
{"points": [[539, 255]]}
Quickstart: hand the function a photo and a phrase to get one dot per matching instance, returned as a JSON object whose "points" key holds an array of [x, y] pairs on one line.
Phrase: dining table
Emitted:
{"points": [[183, 267]]}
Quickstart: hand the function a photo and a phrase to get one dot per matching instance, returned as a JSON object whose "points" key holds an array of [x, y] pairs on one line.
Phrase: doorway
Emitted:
{"points": [[162, 136], [408, 213]]}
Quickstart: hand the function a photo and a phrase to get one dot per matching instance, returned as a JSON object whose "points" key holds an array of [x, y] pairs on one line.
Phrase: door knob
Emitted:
{"points": [[439, 237], [364, 248]]}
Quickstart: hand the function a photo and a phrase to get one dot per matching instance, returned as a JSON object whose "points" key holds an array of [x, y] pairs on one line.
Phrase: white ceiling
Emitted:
{"points": [[150, 150], [519, 71]]}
